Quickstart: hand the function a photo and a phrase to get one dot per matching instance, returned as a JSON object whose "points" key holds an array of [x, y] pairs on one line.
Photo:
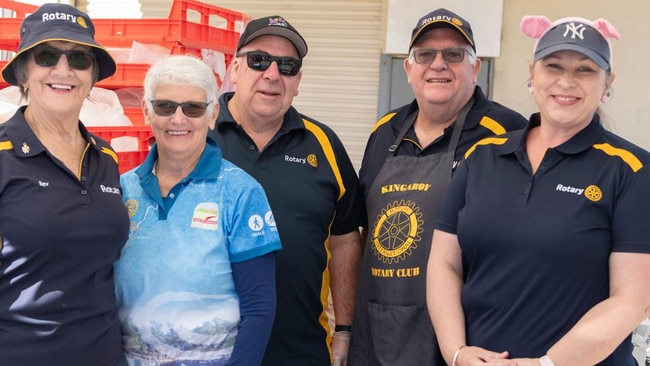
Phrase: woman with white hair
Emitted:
{"points": [[196, 280]]}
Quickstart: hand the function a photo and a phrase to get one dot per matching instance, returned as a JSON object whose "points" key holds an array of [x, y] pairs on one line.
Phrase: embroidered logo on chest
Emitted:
{"points": [[206, 216], [311, 159], [592, 192]]}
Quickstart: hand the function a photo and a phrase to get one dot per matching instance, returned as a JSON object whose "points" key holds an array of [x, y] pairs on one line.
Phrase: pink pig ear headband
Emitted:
{"points": [[590, 38]]}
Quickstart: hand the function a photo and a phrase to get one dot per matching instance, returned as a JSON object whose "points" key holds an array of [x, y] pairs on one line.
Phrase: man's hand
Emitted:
{"points": [[340, 346]]}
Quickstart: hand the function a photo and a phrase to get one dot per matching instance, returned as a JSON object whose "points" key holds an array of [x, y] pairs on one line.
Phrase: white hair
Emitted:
{"points": [[180, 70]]}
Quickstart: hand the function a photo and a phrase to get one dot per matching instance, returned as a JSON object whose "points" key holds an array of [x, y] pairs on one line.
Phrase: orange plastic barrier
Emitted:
{"points": [[188, 24], [187, 30], [127, 160]]}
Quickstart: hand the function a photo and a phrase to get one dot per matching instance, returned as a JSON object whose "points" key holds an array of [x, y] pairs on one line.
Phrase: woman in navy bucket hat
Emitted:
{"points": [[62, 220], [59, 22]]}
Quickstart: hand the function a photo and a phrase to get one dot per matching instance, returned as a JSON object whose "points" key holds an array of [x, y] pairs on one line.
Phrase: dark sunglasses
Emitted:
{"points": [[50, 56], [166, 108], [261, 61], [450, 55]]}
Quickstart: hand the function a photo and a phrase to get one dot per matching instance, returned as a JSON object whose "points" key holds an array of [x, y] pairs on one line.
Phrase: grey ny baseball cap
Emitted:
{"points": [[575, 36]]}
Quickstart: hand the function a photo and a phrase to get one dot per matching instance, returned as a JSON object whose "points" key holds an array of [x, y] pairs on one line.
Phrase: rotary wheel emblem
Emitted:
{"points": [[397, 231], [132, 207], [593, 193]]}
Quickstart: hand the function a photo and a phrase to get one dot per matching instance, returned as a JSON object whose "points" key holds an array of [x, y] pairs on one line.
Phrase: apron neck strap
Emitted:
{"points": [[458, 126], [455, 135]]}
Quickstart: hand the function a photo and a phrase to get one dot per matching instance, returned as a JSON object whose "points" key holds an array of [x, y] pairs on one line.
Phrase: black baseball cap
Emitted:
{"points": [[59, 22], [442, 18], [273, 25]]}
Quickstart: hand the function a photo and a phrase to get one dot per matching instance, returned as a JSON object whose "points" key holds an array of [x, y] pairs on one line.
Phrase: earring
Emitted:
{"points": [[606, 96], [530, 87]]}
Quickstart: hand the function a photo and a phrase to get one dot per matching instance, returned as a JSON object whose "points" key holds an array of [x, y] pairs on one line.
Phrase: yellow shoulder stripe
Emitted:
{"points": [[486, 141], [329, 153], [492, 125], [6, 145], [383, 120], [625, 155], [110, 153]]}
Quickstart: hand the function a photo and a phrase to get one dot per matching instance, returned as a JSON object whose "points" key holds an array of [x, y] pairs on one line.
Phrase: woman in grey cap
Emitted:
{"points": [[541, 253], [62, 221]]}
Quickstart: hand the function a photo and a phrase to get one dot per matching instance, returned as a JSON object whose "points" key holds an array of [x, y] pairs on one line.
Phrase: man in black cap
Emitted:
{"points": [[409, 159], [311, 186]]}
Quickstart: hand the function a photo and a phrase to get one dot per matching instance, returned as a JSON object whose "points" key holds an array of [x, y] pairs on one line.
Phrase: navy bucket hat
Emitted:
{"points": [[59, 22]]}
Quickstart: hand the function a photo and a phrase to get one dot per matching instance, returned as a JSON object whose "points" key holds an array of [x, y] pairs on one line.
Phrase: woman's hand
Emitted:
{"points": [[526, 361], [470, 356]]}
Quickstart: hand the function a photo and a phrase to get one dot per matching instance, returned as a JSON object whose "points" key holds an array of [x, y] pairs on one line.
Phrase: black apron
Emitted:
{"points": [[391, 311]]}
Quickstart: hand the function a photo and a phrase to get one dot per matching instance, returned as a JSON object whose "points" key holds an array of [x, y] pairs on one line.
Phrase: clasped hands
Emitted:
{"points": [[477, 356]]}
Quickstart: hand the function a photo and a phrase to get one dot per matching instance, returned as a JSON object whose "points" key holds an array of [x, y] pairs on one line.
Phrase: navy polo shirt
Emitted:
{"points": [[485, 118], [535, 248], [313, 191], [60, 236]]}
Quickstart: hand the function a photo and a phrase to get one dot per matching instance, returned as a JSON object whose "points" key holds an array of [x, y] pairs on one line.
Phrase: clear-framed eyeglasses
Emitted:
{"points": [[450, 55]]}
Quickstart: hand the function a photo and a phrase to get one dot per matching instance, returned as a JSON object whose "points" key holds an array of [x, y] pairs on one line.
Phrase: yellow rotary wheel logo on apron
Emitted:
{"points": [[397, 231]]}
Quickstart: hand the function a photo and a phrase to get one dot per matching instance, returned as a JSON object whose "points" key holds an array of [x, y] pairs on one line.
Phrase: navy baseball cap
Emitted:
{"points": [[578, 35], [442, 18], [273, 25], [59, 22]]}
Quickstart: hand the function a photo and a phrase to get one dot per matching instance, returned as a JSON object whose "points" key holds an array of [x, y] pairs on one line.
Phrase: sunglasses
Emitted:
{"points": [[77, 59], [261, 61], [166, 108], [450, 55]]}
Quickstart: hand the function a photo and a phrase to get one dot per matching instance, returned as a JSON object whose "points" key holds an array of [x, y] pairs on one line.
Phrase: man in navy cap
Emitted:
{"points": [[409, 159]]}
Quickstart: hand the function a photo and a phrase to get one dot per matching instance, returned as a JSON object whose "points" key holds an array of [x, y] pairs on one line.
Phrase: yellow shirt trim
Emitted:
{"points": [[492, 125], [625, 155], [383, 120], [6, 145], [329, 153], [486, 141]]}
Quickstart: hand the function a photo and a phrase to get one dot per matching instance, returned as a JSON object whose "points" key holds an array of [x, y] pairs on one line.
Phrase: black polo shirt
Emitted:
{"points": [[313, 191], [60, 237], [485, 118], [536, 247]]}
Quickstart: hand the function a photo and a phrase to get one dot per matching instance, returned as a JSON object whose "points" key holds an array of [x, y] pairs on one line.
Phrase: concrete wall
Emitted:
{"points": [[628, 111]]}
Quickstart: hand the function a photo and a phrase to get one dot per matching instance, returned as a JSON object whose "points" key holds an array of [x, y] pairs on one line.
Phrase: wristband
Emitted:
{"points": [[343, 328], [546, 361], [453, 362]]}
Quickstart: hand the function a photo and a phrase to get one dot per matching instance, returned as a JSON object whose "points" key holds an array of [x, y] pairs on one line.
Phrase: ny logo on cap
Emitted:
{"points": [[576, 30]]}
